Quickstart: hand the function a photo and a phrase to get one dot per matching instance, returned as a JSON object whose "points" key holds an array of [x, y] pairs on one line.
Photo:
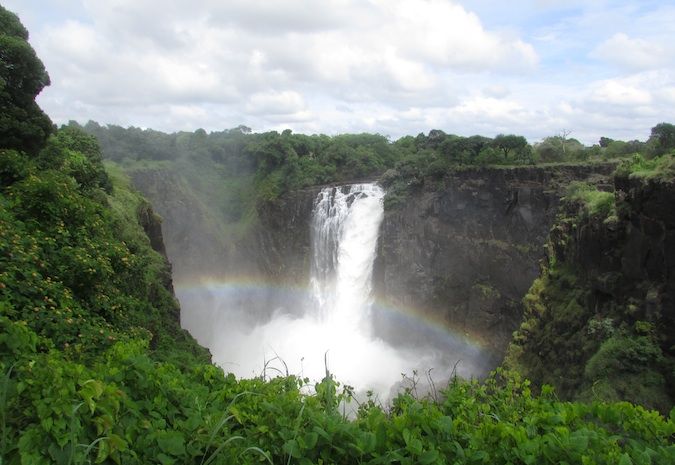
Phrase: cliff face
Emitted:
{"points": [[280, 244], [599, 321], [466, 252], [630, 258], [469, 252], [152, 226]]}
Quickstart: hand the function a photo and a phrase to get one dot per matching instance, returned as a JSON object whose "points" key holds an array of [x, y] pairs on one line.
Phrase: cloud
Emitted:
{"points": [[635, 53], [620, 92], [276, 103], [391, 66], [247, 46]]}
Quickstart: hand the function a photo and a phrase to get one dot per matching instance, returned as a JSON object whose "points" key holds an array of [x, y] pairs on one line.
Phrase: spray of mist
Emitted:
{"points": [[334, 329]]}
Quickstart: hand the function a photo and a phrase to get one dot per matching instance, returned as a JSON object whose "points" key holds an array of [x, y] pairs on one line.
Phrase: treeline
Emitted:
{"points": [[285, 161]]}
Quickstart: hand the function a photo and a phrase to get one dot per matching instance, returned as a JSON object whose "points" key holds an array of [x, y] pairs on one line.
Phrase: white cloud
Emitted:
{"points": [[620, 92], [635, 53], [390, 66], [496, 91], [275, 103]]}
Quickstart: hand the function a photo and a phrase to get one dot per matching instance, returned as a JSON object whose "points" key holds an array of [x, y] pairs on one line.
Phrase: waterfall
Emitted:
{"points": [[345, 227], [333, 329]]}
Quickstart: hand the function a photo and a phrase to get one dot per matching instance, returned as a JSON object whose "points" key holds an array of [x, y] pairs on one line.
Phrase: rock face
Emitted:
{"points": [[632, 262], [599, 320], [469, 252], [152, 225], [281, 243], [629, 262], [649, 253]]}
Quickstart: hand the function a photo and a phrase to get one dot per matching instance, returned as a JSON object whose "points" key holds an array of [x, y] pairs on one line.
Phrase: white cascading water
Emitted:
{"points": [[335, 326], [334, 330], [345, 228]]}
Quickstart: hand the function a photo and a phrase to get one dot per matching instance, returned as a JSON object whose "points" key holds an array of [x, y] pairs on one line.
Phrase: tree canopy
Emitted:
{"points": [[23, 125], [663, 138]]}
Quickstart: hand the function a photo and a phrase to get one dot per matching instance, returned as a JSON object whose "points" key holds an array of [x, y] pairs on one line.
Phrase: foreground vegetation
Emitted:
{"points": [[94, 367]]}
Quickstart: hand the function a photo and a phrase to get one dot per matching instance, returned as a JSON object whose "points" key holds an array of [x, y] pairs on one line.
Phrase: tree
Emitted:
{"points": [[509, 143], [662, 138], [464, 149], [563, 139], [23, 125], [605, 141]]}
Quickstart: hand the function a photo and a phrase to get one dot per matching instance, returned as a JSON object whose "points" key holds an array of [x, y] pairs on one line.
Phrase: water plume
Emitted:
{"points": [[334, 326]]}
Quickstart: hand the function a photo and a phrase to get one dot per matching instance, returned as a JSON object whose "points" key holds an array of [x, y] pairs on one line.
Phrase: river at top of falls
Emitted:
{"points": [[334, 330]]}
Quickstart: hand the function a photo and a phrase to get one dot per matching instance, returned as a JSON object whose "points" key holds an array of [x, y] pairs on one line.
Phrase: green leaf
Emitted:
{"points": [[407, 436], [172, 443], [311, 440], [429, 457], [103, 451], [445, 424], [579, 441], [165, 459], [368, 442], [292, 448], [625, 460]]}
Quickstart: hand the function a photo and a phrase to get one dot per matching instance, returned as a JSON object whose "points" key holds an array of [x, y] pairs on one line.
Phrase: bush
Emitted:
{"points": [[595, 203]]}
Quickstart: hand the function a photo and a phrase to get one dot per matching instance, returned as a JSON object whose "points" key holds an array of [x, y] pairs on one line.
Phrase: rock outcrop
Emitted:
{"points": [[280, 245], [152, 226], [599, 320], [468, 252]]}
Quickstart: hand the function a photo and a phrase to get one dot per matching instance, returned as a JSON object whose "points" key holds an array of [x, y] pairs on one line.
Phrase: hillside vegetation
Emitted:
{"points": [[599, 321], [95, 369]]}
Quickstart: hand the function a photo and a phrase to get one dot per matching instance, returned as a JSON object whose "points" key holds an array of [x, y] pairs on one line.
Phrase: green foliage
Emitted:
{"points": [[595, 202], [560, 149], [511, 146], [23, 125], [662, 139], [13, 167], [660, 168]]}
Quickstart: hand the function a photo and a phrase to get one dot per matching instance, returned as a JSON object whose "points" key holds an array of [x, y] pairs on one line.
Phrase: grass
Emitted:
{"points": [[661, 168], [596, 203]]}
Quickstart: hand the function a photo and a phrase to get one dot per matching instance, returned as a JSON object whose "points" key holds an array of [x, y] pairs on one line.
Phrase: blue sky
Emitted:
{"points": [[396, 67]]}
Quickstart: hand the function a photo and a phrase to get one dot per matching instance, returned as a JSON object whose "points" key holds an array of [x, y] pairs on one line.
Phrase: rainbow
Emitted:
{"points": [[413, 320]]}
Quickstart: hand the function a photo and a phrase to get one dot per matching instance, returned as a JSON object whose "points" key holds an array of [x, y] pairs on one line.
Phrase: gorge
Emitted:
{"points": [[451, 266], [332, 324]]}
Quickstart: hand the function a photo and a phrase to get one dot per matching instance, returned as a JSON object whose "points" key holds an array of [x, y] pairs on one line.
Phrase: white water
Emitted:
{"points": [[334, 329], [345, 228]]}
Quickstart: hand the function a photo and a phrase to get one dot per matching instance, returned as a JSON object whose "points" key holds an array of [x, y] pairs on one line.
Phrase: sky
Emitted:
{"points": [[395, 67]]}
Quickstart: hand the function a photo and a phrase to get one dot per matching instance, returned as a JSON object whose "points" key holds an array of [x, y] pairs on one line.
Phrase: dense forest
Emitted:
{"points": [[242, 170], [95, 368], [281, 162]]}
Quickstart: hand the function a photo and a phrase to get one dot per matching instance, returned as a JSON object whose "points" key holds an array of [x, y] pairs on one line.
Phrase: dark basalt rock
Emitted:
{"points": [[468, 252], [152, 225]]}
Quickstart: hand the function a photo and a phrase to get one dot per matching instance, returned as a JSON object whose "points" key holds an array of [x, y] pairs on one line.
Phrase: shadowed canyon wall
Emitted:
{"points": [[465, 252], [468, 252]]}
